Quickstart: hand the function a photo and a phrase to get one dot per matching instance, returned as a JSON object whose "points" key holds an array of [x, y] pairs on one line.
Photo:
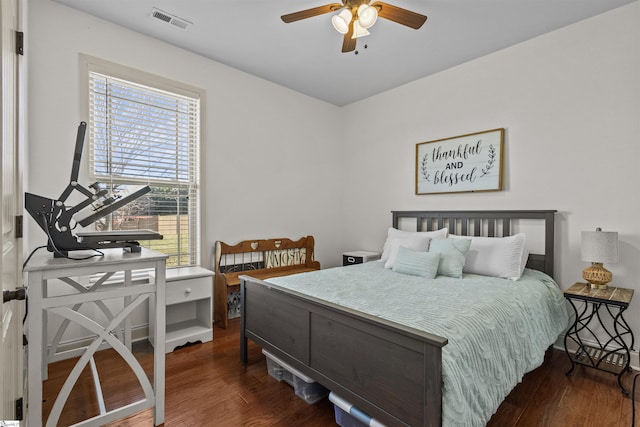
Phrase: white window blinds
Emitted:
{"points": [[140, 135]]}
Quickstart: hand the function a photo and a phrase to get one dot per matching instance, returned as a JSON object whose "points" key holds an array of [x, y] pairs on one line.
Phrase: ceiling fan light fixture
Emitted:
{"points": [[358, 30], [367, 15], [341, 21]]}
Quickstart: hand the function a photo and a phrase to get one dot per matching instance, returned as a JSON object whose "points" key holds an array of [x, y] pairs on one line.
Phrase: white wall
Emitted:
{"points": [[570, 103], [269, 158]]}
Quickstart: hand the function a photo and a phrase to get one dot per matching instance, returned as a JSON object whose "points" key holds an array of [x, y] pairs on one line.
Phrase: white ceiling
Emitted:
{"points": [[306, 55]]}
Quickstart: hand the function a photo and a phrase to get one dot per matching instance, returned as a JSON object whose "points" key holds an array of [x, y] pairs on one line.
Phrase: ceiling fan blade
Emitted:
{"points": [[308, 13], [399, 15], [348, 43]]}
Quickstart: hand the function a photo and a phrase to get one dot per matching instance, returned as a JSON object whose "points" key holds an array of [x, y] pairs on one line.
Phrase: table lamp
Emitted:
{"points": [[599, 247]]}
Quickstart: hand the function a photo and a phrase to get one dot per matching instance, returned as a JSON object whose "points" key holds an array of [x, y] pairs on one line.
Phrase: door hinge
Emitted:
{"points": [[18, 227], [20, 42], [19, 413]]}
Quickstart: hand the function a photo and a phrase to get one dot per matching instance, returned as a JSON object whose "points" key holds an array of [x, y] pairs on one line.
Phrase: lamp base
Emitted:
{"points": [[597, 276]]}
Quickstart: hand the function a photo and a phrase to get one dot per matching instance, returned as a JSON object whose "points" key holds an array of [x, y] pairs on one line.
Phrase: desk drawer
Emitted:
{"points": [[180, 291]]}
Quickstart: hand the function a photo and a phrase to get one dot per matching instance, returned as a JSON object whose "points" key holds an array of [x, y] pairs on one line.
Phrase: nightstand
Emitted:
{"points": [[189, 292], [359, 257], [611, 350]]}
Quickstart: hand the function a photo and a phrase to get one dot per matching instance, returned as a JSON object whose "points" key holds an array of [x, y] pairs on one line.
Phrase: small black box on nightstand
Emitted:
{"points": [[359, 257]]}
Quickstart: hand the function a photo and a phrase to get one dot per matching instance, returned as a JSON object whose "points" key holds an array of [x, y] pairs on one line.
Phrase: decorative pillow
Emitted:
{"points": [[503, 257], [424, 264], [393, 234], [452, 255], [416, 243]]}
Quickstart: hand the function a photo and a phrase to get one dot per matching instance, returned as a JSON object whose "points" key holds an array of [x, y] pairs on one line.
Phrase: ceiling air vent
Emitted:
{"points": [[183, 24]]}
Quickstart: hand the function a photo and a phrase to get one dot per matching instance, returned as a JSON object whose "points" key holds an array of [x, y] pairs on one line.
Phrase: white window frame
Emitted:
{"points": [[92, 64]]}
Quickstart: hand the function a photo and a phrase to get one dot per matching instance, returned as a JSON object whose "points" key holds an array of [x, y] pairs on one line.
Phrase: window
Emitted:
{"points": [[145, 135]]}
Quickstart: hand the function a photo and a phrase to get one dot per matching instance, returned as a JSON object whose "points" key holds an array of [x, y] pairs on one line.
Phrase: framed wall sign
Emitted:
{"points": [[463, 163]]}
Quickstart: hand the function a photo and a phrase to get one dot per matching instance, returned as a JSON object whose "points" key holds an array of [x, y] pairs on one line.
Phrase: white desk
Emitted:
{"points": [[43, 267]]}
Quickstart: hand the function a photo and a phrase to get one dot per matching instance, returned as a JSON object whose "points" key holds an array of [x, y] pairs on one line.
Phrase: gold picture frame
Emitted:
{"points": [[465, 163]]}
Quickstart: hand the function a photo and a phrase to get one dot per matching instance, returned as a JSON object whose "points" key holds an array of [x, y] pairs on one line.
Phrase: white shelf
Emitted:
{"points": [[185, 332], [188, 326]]}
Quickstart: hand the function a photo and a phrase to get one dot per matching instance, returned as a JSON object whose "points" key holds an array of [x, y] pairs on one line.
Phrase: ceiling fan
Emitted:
{"points": [[356, 16]]}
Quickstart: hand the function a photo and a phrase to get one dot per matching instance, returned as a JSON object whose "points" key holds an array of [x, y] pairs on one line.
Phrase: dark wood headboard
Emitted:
{"points": [[488, 224]]}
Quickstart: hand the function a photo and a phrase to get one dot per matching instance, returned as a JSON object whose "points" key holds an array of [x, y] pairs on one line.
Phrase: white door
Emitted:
{"points": [[11, 353]]}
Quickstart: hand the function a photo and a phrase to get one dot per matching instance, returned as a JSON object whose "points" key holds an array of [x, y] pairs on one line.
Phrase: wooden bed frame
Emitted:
{"points": [[390, 371]]}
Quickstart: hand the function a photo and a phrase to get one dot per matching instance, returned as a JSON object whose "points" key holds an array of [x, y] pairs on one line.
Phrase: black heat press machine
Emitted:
{"points": [[55, 218]]}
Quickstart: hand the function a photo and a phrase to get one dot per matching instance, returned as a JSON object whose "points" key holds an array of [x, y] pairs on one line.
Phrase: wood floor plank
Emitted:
{"points": [[207, 386]]}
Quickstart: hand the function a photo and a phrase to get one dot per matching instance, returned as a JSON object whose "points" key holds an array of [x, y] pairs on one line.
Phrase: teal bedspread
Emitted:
{"points": [[498, 329]]}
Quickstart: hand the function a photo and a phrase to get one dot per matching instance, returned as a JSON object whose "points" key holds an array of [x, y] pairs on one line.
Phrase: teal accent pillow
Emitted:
{"points": [[452, 255], [416, 263]]}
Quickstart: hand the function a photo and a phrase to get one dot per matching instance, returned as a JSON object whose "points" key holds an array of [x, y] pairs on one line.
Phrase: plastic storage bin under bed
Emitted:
{"points": [[348, 415], [304, 387]]}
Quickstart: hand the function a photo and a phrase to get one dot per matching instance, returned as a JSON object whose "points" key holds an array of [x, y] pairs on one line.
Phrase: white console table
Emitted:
{"points": [[44, 267]]}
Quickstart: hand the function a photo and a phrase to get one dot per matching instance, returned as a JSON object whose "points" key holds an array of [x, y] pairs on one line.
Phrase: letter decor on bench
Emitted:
{"points": [[261, 259]]}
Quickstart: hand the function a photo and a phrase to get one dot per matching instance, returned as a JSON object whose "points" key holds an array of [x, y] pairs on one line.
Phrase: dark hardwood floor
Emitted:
{"points": [[207, 386]]}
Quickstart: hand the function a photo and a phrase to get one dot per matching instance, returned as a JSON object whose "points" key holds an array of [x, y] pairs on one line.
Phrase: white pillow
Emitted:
{"points": [[416, 243], [503, 257], [393, 234]]}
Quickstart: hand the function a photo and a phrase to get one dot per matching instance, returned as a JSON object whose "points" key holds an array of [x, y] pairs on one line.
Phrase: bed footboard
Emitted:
{"points": [[392, 372]]}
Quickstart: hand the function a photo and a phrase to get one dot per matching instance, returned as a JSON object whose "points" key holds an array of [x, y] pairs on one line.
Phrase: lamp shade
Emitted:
{"points": [[600, 246], [367, 15], [358, 30], [341, 21]]}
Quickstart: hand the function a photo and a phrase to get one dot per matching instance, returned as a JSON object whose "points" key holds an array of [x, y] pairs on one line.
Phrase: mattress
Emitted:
{"points": [[497, 329]]}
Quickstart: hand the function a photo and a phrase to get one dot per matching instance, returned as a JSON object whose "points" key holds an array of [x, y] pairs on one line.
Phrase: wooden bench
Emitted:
{"points": [[261, 259]]}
